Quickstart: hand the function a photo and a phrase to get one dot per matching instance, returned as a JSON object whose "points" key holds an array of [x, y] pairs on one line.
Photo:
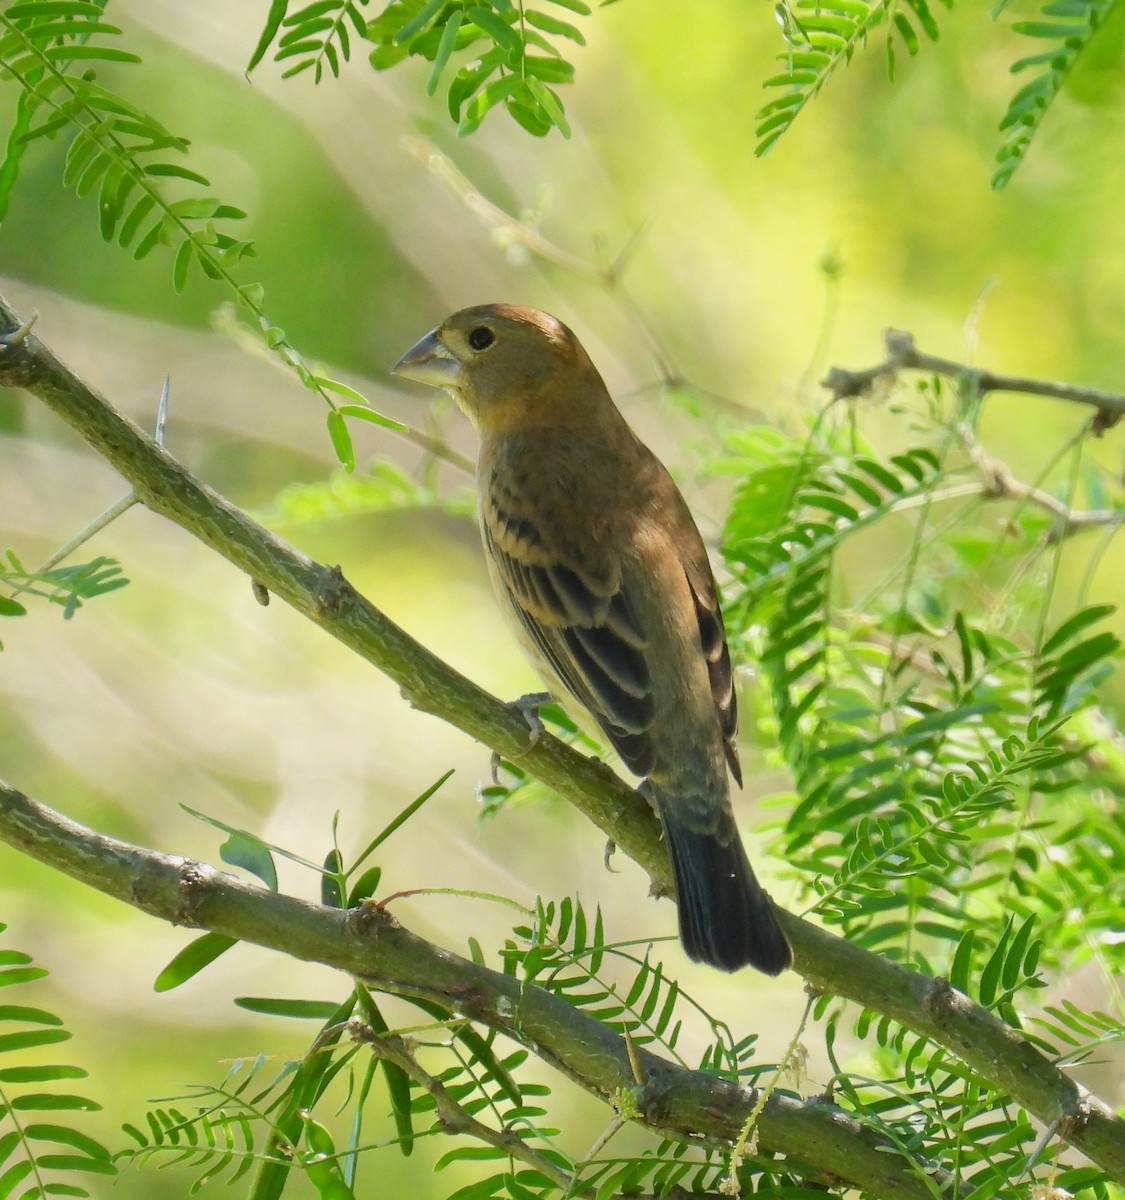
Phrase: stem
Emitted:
{"points": [[903, 355]]}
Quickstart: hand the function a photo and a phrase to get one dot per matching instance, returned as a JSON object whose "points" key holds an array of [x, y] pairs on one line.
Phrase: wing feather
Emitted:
{"points": [[583, 627], [713, 639]]}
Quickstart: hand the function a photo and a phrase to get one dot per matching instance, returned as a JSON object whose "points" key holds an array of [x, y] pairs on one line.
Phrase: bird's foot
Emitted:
{"points": [[610, 851], [528, 707]]}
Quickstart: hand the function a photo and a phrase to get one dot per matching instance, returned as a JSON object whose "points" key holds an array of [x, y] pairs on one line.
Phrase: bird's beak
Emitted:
{"points": [[429, 361]]}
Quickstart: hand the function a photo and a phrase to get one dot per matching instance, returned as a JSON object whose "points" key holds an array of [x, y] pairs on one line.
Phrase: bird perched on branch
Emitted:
{"points": [[592, 548]]}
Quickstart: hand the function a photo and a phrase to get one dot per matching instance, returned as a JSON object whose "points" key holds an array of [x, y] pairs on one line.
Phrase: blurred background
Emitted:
{"points": [[751, 275]]}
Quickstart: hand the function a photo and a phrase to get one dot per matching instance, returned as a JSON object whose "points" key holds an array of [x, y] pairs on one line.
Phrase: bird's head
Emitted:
{"points": [[507, 367]]}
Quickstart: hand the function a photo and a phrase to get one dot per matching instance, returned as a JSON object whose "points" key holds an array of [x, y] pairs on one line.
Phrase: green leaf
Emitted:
{"points": [[420, 20], [398, 821], [445, 48], [906, 32], [365, 886], [553, 25], [501, 33], [21, 1012], [54, 1102], [398, 1082], [990, 975], [488, 97], [341, 440], [306, 1010], [550, 104], [192, 959], [65, 1136], [102, 53], [29, 1039], [47, 1073], [244, 850], [134, 220], [1074, 625], [331, 880], [269, 31], [362, 412]]}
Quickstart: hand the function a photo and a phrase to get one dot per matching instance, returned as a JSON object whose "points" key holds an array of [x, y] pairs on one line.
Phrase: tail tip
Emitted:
{"points": [[757, 941]]}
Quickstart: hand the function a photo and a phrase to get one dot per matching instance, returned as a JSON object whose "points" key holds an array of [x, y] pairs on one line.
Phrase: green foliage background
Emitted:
{"points": [[752, 275]]}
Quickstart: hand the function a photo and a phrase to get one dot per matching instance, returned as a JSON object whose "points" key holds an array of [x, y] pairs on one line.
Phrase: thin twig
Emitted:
{"points": [[452, 1116], [116, 509], [999, 483], [903, 355], [508, 232], [505, 230]]}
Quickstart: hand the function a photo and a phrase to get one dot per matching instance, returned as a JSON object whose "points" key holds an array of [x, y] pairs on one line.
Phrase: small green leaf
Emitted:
{"points": [[551, 24], [421, 19], [21, 1012], [399, 820], [48, 1073], [341, 440], [54, 1102], [103, 53], [244, 850], [133, 221], [1075, 624], [276, 15], [365, 886], [501, 33], [28, 1039], [311, 1010], [550, 104], [183, 262], [488, 97], [192, 959], [331, 889], [445, 49], [175, 171], [361, 412]]}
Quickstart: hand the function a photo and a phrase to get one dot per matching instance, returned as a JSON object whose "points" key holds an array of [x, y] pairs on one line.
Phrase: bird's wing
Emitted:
{"points": [[713, 639], [712, 633], [581, 624]]}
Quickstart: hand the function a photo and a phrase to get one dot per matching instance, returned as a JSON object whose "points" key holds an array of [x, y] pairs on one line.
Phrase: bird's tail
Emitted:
{"points": [[726, 917]]}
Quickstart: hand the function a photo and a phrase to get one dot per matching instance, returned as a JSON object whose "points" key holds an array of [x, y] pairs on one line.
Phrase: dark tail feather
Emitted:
{"points": [[726, 918]]}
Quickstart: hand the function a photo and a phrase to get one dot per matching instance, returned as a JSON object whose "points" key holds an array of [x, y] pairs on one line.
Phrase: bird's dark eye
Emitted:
{"points": [[481, 338]]}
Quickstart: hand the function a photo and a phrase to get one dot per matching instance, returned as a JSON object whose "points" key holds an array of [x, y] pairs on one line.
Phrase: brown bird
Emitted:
{"points": [[592, 548]]}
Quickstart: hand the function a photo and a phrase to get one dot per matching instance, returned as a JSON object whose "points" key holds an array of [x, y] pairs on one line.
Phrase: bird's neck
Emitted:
{"points": [[581, 403]]}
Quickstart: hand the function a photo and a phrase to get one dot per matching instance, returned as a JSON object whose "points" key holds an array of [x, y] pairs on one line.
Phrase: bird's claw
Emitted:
{"points": [[610, 851], [528, 707]]}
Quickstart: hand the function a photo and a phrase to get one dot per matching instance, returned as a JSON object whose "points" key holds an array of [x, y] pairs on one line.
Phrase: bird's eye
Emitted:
{"points": [[481, 338]]}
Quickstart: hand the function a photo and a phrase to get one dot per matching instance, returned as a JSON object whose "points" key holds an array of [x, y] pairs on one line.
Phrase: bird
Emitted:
{"points": [[594, 553]]}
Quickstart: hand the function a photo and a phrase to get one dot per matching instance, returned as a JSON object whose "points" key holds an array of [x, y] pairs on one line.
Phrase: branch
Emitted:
{"points": [[999, 483], [903, 355], [830, 965], [369, 943]]}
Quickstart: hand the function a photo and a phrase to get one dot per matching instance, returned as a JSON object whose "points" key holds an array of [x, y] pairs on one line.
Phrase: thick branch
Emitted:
{"points": [[369, 943], [831, 965], [903, 355]]}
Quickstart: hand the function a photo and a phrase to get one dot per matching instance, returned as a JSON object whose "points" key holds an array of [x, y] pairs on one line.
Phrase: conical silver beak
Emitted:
{"points": [[429, 361]]}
